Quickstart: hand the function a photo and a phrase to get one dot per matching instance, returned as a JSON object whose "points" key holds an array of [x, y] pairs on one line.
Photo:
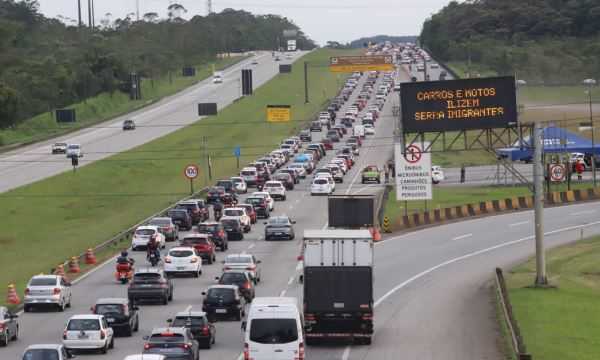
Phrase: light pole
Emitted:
{"points": [[590, 83]]}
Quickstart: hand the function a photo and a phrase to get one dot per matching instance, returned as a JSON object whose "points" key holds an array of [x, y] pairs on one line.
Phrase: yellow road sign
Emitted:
{"points": [[344, 64], [279, 113]]}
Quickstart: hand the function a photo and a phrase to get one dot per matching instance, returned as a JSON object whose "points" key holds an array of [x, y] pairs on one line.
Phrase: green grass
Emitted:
{"points": [[46, 222], [462, 68], [563, 322], [106, 106], [538, 95]]}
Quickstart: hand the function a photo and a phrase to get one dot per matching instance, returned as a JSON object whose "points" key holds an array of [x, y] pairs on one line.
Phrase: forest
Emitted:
{"points": [[49, 63], [543, 41]]}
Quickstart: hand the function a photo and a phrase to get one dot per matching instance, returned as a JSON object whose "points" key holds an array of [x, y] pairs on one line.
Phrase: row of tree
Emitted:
{"points": [[48, 63], [553, 41]]}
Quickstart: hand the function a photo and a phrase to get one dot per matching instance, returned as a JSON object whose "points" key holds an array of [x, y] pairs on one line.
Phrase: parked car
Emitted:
{"points": [[183, 260], [150, 284], [197, 322], [223, 301], [167, 227], [120, 314], [279, 227], [241, 279], [233, 227], [175, 343], [88, 332], [216, 233], [45, 290], [9, 326], [181, 218], [205, 247]]}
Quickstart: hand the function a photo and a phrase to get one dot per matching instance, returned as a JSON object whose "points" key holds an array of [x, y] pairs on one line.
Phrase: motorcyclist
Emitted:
{"points": [[218, 209], [125, 259], [152, 247]]}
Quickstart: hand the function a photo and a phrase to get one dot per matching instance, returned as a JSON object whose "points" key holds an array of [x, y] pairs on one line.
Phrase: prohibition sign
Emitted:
{"points": [[413, 154], [557, 172], [191, 171]]}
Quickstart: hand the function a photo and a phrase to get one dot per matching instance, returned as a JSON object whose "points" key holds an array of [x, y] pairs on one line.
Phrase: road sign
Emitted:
{"points": [[557, 172], [191, 171], [279, 113], [413, 173], [237, 151], [348, 64]]}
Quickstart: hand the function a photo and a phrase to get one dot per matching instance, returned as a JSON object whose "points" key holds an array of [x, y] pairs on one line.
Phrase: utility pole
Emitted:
{"points": [[79, 12], [593, 142], [538, 184], [93, 16], [90, 13], [209, 7], [204, 141], [306, 82]]}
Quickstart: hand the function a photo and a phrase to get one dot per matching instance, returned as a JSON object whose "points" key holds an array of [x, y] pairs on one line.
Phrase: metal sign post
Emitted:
{"points": [[237, 152], [538, 181]]}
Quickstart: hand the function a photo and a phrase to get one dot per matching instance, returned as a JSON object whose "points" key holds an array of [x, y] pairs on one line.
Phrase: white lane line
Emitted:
{"points": [[188, 309], [462, 237], [299, 266], [325, 226], [402, 285], [585, 212], [282, 293], [251, 246], [297, 201], [518, 223], [291, 280]]}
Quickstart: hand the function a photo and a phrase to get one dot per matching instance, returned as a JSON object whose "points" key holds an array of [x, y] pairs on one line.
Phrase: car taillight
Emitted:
{"points": [[309, 317], [251, 267], [221, 233], [205, 330], [246, 352], [2, 327], [247, 285], [163, 283], [65, 335], [56, 291], [226, 268], [367, 316], [300, 352], [102, 334], [168, 259], [194, 260], [147, 346]]}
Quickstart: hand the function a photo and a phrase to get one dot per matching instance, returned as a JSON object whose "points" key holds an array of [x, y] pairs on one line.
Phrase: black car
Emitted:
{"points": [[316, 126], [286, 179], [279, 227], [120, 314], [214, 193], [150, 284], [128, 124], [181, 218], [9, 326], [216, 232], [260, 205], [223, 301], [228, 185], [233, 228], [197, 322], [292, 173], [333, 135], [305, 135], [242, 280], [318, 147], [193, 209], [175, 343]]}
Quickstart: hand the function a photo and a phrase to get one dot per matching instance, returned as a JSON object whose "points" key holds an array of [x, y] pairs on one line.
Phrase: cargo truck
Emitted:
{"points": [[338, 285]]}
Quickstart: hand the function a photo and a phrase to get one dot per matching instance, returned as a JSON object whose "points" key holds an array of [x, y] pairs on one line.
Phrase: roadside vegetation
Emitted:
{"points": [[560, 322], [63, 215]]}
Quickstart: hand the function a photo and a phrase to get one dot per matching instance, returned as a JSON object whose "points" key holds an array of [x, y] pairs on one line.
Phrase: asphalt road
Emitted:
{"points": [[32, 163]]}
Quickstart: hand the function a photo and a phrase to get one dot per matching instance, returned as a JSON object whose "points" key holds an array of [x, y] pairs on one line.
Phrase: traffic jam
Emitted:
{"points": [[196, 234]]}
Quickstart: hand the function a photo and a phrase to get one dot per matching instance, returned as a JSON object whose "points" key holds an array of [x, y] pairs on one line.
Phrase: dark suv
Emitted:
{"points": [[202, 330], [216, 232], [228, 185], [223, 301], [120, 314], [260, 205], [194, 210], [150, 284], [242, 280], [181, 218], [233, 228], [214, 193], [175, 343]]}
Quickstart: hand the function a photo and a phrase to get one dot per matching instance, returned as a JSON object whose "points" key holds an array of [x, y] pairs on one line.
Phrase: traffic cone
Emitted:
{"points": [[12, 297], [90, 258], [74, 265], [60, 270]]}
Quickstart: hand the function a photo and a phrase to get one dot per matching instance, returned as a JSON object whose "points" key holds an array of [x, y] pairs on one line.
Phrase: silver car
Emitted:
{"points": [[46, 351], [44, 290], [245, 262]]}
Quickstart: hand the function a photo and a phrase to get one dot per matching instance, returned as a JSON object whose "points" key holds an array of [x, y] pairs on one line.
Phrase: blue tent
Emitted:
{"points": [[301, 158], [556, 140]]}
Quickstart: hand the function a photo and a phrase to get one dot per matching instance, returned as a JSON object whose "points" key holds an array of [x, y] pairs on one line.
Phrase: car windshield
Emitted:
{"points": [[42, 282], [273, 185], [102, 309], [144, 232], [254, 201], [160, 222], [166, 338], [278, 221], [296, 165], [230, 222], [219, 293], [207, 227], [177, 213], [232, 278], [146, 277], [238, 260], [74, 147], [248, 173], [273, 331], [320, 181], [187, 321], [181, 253], [282, 177], [234, 212], [195, 240], [41, 354], [83, 324], [224, 184]]}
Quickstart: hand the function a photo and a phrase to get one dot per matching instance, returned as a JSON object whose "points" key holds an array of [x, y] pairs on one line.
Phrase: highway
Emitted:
{"points": [[33, 163]]}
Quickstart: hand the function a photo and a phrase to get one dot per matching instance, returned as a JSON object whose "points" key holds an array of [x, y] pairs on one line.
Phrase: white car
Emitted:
{"points": [[239, 184], [142, 236], [59, 148], [47, 351], [300, 169], [369, 129], [341, 163], [250, 175], [183, 260], [218, 77], [434, 66], [239, 214], [275, 189], [267, 196], [321, 186], [88, 332], [74, 150], [437, 174], [329, 178], [292, 143], [44, 290], [244, 262]]}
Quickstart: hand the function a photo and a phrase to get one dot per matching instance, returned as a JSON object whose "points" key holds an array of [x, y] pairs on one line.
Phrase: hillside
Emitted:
{"points": [[550, 41], [46, 64]]}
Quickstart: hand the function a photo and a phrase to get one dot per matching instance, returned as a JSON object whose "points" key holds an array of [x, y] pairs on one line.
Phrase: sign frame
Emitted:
{"points": [[349, 64], [413, 177], [190, 175]]}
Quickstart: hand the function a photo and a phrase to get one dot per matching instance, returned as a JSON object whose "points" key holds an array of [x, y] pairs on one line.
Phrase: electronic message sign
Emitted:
{"points": [[465, 104]]}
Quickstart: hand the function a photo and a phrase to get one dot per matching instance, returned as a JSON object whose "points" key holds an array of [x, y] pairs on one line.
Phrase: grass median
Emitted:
{"points": [[106, 106], [46, 222], [561, 322]]}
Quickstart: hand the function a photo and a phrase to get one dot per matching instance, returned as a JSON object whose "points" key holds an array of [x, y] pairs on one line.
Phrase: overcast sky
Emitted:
{"points": [[322, 20]]}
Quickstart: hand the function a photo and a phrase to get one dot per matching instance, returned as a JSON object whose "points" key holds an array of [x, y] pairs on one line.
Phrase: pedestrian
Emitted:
{"points": [[392, 169], [462, 173], [579, 167], [386, 171]]}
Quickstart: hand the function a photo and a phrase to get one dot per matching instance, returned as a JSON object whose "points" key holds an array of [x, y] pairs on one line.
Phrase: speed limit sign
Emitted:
{"points": [[191, 171], [557, 172]]}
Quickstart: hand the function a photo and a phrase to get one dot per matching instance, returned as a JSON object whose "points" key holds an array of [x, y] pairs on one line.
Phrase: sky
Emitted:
{"points": [[321, 20]]}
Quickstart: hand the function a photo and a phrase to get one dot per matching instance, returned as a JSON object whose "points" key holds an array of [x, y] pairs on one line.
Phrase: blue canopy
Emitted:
{"points": [[556, 140], [301, 158]]}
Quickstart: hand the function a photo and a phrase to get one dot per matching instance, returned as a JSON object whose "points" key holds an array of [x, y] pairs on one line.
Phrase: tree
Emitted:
{"points": [[9, 101], [150, 17]]}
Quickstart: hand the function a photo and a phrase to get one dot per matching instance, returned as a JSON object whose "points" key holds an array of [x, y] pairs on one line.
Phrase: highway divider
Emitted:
{"points": [[489, 207]]}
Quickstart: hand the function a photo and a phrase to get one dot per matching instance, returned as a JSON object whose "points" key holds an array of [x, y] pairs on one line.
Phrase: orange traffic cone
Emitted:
{"points": [[90, 258], [60, 270], [12, 297], [74, 265]]}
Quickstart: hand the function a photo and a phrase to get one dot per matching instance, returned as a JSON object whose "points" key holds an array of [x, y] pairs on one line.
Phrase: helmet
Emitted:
{"points": [[124, 253]]}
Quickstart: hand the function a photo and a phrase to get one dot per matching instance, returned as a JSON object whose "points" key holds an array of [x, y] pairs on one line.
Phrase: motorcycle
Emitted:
{"points": [[154, 258], [124, 273]]}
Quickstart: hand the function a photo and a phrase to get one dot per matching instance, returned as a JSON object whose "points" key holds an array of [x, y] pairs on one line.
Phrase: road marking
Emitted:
{"points": [[462, 237], [251, 246], [291, 280], [188, 309], [518, 223], [282, 293], [402, 285], [299, 266], [586, 212]]}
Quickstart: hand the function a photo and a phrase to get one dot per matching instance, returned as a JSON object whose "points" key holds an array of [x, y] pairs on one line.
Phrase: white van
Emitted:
{"points": [[274, 330]]}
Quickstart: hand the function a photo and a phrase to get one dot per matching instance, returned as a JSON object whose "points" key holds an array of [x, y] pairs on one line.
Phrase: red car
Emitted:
{"points": [[250, 211], [203, 244], [328, 144]]}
